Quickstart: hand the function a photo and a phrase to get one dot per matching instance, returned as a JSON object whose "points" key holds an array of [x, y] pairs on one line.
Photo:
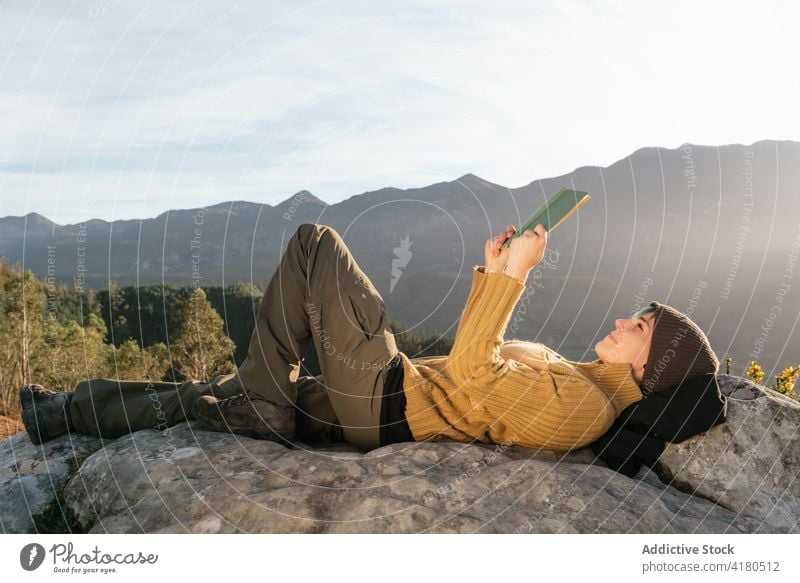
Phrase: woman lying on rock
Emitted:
{"points": [[371, 394]]}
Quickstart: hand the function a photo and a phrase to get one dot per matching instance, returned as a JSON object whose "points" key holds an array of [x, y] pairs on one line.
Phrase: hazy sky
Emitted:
{"points": [[121, 109]]}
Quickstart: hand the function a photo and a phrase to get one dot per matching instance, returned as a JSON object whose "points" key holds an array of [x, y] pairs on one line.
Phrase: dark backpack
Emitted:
{"points": [[675, 414]]}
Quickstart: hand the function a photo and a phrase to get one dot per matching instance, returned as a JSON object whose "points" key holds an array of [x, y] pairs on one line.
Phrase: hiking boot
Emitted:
{"points": [[45, 413], [248, 414]]}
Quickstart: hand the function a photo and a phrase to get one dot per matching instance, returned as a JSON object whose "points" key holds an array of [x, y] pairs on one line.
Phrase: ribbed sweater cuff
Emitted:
{"points": [[482, 324]]}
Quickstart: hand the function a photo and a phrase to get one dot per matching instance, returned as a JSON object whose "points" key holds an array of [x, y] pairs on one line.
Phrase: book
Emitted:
{"points": [[561, 205]]}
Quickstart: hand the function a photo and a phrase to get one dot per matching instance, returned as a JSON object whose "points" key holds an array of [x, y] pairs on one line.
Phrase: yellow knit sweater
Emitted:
{"points": [[545, 402]]}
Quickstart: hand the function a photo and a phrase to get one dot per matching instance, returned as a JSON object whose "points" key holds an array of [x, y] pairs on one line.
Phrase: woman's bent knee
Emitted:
{"points": [[307, 230]]}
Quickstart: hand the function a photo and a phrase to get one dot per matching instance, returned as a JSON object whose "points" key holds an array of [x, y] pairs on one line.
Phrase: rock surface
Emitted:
{"points": [[32, 476], [738, 477], [221, 484]]}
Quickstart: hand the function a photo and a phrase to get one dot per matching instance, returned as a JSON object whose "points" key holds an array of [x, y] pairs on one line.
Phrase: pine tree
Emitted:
{"points": [[201, 350]]}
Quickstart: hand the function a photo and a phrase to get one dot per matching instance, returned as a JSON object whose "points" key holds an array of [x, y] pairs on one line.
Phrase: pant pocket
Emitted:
{"points": [[368, 311]]}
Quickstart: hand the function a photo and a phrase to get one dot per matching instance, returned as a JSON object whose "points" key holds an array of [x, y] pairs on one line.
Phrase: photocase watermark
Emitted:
{"points": [[31, 556], [51, 324], [194, 245], [80, 259], [695, 298], [326, 345], [66, 560], [402, 255], [79, 276], [101, 8], [297, 200], [528, 525], [664, 360], [164, 451], [81, 270], [641, 295], [775, 310], [689, 167], [530, 291], [168, 73], [315, 318], [50, 278], [744, 227], [474, 470]]}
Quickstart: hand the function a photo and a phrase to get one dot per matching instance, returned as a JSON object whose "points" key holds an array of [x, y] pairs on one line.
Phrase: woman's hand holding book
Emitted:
{"points": [[525, 253], [496, 256]]}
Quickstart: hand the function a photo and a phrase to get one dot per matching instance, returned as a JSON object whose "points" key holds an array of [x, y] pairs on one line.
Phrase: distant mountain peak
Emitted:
{"points": [[33, 218], [696, 146], [234, 203], [303, 196], [471, 178]]}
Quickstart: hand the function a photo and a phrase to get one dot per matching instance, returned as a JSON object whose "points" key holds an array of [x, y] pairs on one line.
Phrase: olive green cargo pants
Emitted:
{"points": [[318, 294]]}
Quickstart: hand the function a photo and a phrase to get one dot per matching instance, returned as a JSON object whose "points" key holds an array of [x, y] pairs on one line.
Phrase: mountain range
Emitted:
{"points": [[713, 231]]}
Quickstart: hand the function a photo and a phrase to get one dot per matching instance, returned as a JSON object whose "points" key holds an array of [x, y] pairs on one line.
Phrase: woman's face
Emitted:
{"points": [[629, 342]]}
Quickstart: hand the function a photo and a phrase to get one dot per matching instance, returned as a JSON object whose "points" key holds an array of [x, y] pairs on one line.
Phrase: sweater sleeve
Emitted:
{"points": [[476, 348]]}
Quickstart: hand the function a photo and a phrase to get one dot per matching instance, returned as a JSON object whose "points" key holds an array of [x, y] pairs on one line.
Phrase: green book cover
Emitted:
{"points": [[561, 205]]}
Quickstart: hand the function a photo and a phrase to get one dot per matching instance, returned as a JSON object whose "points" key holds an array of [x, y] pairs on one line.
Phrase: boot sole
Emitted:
{"points": [[29, 417], [25, 397]]}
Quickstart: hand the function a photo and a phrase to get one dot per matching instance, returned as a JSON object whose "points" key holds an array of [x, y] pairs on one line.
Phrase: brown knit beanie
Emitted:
{"points": [[679, 350]]}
